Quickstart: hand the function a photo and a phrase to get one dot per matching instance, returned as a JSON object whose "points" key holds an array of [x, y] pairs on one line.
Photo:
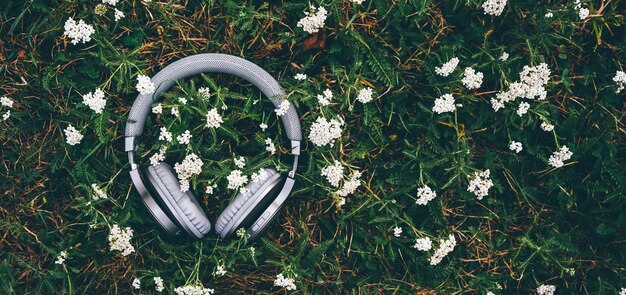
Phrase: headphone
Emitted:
{"points": [[158, 185]]}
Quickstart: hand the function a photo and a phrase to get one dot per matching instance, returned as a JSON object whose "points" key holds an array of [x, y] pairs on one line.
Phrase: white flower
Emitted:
{"points": [[118, 14], [220, 270], [358, 1], [583, 13], [444, 104], [480, 184], [240, 162], [110, 2], [490, 293], [351, 185], [397, 231], [531, 86], [504, 56], [210, 189], [61, 257], [365, 95], [158, 157], [445, 247], [515, 146], [236, 179], [95, 100], [6, 115], [119, 240], [546, 290], [144, 84], [285, 282], [497, 104], [175, 112], [619, 79], [182, 100], [558, 157], [157, 109], [7, 102], [259, 176], [313, 22], [270, 146], [472, 79], [333, 173], [72, 136], [325, 132], [263, 126], [137, 284], [193, 290], [425, 195], [213, 119], [205, 92], [98, 193], [158, 284], [549, 15], [547, 127], [423, 244], [523, 108], [190, 166], [165, 135], [494, 7], [184, 138], [622, 292], [78, 32], [300, 77], [282, 108], [325, 98], [448, 67]]}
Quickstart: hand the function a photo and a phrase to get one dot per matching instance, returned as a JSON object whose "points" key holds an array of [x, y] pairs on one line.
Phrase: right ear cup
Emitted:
{"points": [[247, 204], [182, 206]]}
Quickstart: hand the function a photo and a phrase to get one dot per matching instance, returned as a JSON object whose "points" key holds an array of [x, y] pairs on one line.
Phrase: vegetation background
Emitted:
{"points": [[538, 225]]}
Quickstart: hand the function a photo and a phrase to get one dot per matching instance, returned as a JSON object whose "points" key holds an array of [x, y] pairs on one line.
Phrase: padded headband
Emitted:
{"points": [[211, 62]]}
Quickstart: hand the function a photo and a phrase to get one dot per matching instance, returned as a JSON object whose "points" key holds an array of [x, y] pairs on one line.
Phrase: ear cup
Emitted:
{"points": [[244, 204], [182, 206]]}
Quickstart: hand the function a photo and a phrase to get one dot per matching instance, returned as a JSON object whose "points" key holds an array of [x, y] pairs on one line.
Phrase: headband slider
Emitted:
{"points": [[295, 147], [129, 144]]}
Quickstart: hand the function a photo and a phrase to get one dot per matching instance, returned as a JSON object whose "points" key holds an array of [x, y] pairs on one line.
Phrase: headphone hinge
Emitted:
{"points": [[295, 147]]}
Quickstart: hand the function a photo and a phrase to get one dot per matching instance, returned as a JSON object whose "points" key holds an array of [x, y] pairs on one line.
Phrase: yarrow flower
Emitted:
{"points": [[157, 109], [240, 162], [182, 100], [365, 95], [158, 284], [137, 284], [144, 84], [118, 14], [547, 127], [158, 157], [549, 15], [558, 157], [515, 146], [184, 138], [350, 185], [397, 231], [72, 136], [190, 166], [98, 193], [425, 195], [282, 108], [204, 92], [110, 2], [300, 77], [263, 126], [193, 290], [333, 173], [213, 119], [220, 269], [325, 132], [531, 86], [448, 67], [504, 56], [119, 240], [61, 257], [174, 111], [523, 108], [236, 179], [7, 102], [95, 100], [546, 290], [260, 175], [480, 184], [445, 247], [444, 104], [358, 1], [325, 98], [165, 135], [583, 13], [270, 147], [472, 79], [423, 244], [78, 31], [284, 282], [313, 22], [620, 80], [494, 7]]}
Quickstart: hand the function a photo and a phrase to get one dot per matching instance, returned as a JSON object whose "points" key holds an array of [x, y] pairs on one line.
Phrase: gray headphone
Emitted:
{"points": [[158, 186]]}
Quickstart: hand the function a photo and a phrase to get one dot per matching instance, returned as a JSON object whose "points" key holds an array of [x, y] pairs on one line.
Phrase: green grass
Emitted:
{"points": [[538, 225]]}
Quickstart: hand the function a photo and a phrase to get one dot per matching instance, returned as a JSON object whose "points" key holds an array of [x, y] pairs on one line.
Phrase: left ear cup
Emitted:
{"points": [[182, 206], [246, 204]]}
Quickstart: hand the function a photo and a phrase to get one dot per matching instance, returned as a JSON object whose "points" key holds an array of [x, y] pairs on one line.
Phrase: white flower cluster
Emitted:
{"points": [[78, 31], [282, 108], [182, 100], [480, 184], [263, 126], [397, 231], [333, 173], [444, 104], [190, 166], [175, 112], [236, 179], [547, 127], [423, 244], [622, 292], [284, 282], [494, 7], [558, 157], [425, 195], [583, 13], [184, 138], [98, 193], [72, 136], [530, 86], [515, 146], [313, 22], [165, 135], [240, 162], [110, 2], [118, 14], [210, 189], [158, 284], [505, 56], [300, 77], [204, 92], [119, 240], [546, 290], [365, 95], [157, 109], [61, 257], [193, 290], [620, 80], [445, 247], [158, 157], [325, 98], [213, 119], [523, 108], [95, 100], [7, 102], [472, 79], [144, 84], [549, 15], [350, 185], [259, 176], [358, 1], [220, 270], [448, 67], [270, 147], [325, 132], [136, 283]]}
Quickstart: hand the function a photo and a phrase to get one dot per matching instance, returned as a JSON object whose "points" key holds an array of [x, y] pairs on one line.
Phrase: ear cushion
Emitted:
{"points": [[243, 201], [183, 206]]}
